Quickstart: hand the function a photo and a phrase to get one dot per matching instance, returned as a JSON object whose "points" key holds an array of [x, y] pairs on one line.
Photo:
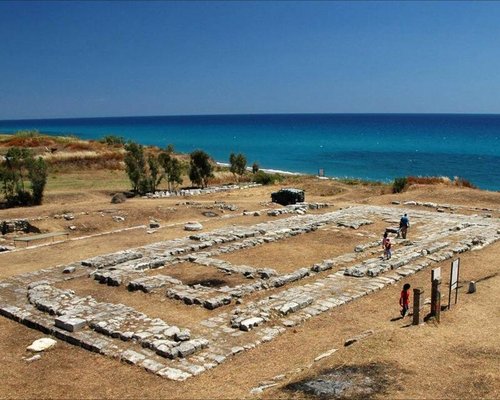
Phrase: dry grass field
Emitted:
{"points": [[458, 358]]}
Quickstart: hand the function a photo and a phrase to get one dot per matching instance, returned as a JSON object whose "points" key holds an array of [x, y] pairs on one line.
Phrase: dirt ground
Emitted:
{"points": [[458, 358]]}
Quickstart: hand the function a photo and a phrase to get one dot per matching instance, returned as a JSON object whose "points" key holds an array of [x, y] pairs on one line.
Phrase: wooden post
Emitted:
{"points": [[436, 300], [418, 303]]}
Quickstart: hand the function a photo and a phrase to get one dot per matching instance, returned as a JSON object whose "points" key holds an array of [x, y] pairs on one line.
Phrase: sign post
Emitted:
{"points": [[454, 274]]}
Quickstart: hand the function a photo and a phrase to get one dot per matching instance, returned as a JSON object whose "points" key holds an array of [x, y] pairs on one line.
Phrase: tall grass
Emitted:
{"points": [[85, 160]]}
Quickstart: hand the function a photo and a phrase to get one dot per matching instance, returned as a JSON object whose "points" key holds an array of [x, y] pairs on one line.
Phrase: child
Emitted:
{"points": [[404, 300], [387, 248], [384, 239]]}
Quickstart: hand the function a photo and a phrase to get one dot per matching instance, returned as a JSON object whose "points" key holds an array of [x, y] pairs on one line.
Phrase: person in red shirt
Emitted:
{"points": [[387, 248], [404, 300]]}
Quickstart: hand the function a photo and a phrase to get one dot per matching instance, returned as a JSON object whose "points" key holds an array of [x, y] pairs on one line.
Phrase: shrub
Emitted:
{"points": [[462, 182], [426, 180], [113, 140], [399, 185], [266, 179]]}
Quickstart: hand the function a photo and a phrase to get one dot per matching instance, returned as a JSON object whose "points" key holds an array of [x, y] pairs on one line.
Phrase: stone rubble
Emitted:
{"points": [[198, 192], [178, 353]]}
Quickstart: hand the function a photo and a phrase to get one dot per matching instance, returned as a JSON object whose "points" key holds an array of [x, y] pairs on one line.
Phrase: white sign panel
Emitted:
{"points": [[454, 274], [436, 274]]}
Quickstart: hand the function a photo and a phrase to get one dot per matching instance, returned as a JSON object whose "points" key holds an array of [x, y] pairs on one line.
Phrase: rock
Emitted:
{"points": [[68, 217], [118, 218], [250, 323], [173, 374], [69, 270], [395, 202], [72, 228], [357, 338], [153, 224], [193, 226], [41, 345], [118, 198], [183, 335], [472, 287], [256, 214], [69, 323], [324, 355], [36, 357], [152, 366], [132, 357]]}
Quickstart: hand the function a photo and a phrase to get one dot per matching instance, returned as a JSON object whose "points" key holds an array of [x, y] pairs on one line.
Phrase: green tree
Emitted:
{"points": [[37, 174], [20, 166], [200, 168], [399, 185], [172, 168], [238, 164], [155, 175], [135, 165]]}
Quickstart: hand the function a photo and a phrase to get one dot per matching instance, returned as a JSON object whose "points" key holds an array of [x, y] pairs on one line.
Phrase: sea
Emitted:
{"points": [[376, 147]]}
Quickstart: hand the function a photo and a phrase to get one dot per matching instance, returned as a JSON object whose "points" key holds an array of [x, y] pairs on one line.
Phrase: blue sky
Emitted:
{"points": [[84, 59]]}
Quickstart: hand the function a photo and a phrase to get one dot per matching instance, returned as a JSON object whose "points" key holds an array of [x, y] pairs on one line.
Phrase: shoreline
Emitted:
{"points": [[386, 180]]}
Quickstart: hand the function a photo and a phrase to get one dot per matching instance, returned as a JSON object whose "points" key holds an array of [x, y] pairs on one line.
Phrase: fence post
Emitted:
{"points": [[418, 302], [436, 300]]}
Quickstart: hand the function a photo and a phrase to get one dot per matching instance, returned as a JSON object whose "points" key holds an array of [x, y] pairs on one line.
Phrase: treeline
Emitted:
{"points": [[146, 172], [23, 176]]}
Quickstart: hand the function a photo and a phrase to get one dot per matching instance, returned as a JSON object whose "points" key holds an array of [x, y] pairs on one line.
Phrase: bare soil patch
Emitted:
{"points": [[155, 305], [195, 274]]}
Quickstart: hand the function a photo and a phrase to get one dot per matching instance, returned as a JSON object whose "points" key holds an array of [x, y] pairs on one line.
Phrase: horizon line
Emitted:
{"points": [[240, 114]]}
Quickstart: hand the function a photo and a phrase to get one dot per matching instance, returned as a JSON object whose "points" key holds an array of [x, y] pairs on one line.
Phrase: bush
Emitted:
{"points": [[266, 179], [462, 182], [426, 180], [399, 185], [113, 140]]}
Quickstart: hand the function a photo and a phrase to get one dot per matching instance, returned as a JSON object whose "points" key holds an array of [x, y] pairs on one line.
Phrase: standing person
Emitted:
{"points": [[387, 248], [404, 224], [404, 300], [384, 240]]}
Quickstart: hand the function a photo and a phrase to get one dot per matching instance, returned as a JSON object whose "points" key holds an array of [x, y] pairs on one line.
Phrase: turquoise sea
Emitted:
{"points": [[366, 146]]}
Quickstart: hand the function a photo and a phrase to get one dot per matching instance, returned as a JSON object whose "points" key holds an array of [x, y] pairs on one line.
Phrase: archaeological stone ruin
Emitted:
{"points": [[215, 322]]}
